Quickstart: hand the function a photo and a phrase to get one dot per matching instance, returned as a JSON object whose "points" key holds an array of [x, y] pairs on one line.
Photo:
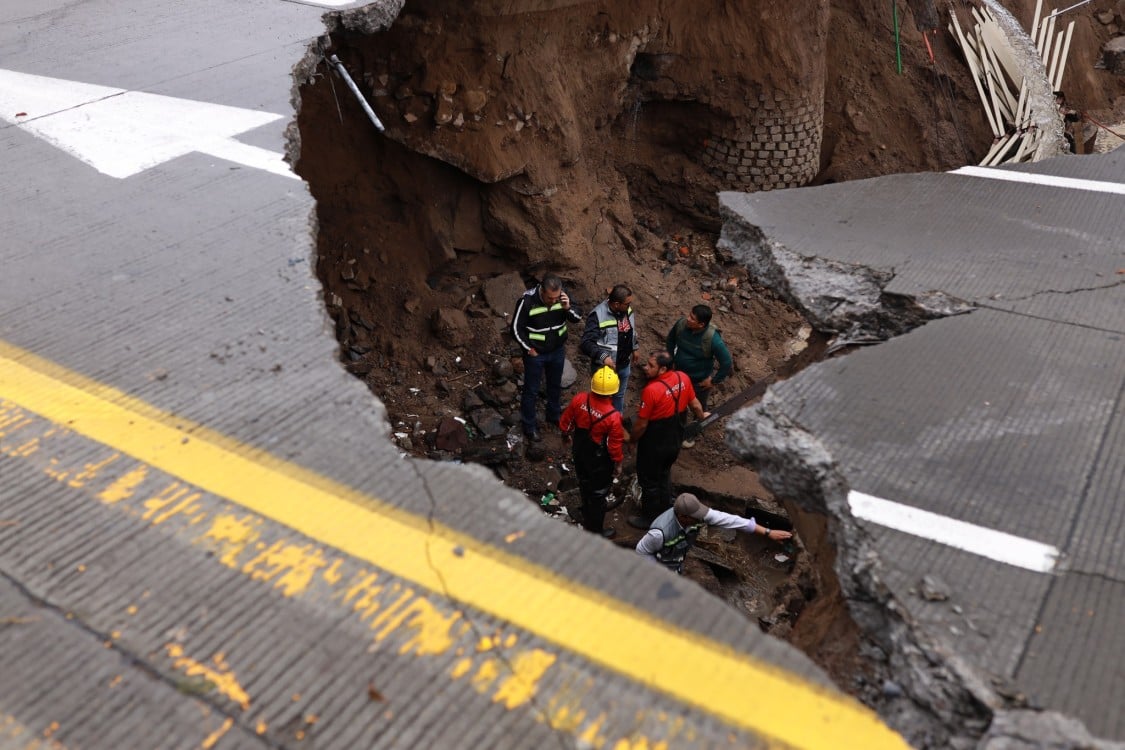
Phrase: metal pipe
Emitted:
{"points": [[898, 38], [358, 95], [1072, 7]]}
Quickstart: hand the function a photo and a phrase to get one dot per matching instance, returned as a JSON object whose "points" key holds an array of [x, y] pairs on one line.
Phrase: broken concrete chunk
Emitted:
{"points": [[933, 589], [835, 297]]}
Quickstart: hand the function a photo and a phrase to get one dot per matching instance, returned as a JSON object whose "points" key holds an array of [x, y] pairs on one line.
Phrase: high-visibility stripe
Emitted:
{"points": [[537, 337], [608, 324]]}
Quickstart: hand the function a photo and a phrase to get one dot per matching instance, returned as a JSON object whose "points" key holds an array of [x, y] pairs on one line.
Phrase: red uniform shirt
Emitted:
{"points": [[576, 414], [666, 396]]}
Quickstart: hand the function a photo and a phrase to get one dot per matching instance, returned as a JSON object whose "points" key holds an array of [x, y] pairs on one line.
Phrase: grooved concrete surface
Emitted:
{"points": [[206, 539], [1009, 417]]}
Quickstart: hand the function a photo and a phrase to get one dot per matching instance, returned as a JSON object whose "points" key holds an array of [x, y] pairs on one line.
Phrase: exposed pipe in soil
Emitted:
{"points": [[355, 90]]}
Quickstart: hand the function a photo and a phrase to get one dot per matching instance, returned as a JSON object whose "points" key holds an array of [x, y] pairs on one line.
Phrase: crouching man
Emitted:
{"points": [[675, 530]]}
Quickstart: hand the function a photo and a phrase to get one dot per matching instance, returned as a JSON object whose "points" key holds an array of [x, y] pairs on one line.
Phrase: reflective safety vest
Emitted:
{"points": [[539, 326], [607, 331], [677, 539]]}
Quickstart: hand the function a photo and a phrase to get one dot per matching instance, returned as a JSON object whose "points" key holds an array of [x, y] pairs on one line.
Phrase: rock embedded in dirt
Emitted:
{"points": [[1113, 55], [502, 370], [451, 436], [489, 423], [471, 401], [501, 292], [451, 326]]}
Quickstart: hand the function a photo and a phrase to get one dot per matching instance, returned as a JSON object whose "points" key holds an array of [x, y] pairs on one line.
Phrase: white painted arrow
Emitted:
{"points": [[121, 133]]}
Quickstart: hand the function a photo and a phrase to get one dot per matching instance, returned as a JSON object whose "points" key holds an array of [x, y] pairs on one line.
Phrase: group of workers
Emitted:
{"points": [[679, 378]]}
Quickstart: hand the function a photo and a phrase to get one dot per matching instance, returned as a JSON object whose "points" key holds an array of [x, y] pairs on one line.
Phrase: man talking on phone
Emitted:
{"points": [[539, 326]]}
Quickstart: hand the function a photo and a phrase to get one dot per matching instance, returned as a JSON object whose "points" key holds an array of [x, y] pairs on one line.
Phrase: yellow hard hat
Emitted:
{"points": [[605, 382]]}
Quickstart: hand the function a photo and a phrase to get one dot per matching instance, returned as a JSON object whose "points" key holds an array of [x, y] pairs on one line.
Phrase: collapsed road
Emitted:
{"points": [[210, 535], [500, 164]]}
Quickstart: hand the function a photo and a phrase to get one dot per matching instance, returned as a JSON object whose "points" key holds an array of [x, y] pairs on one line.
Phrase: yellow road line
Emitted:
{"points": [[705, 674]]}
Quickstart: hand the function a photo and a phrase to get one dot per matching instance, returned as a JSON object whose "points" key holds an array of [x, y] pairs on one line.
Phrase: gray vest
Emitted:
{"points": [[607, 331], [677, 539]]}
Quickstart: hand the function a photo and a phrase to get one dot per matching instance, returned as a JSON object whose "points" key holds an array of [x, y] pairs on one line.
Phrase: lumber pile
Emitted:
{"points": [[1000, 81]]}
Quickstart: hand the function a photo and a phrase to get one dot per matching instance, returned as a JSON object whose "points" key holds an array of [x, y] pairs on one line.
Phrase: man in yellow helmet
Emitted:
{"points": [[595, 428]]}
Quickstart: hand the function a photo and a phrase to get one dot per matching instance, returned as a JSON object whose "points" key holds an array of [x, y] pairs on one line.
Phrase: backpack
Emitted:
{"points": [[708, 334]]}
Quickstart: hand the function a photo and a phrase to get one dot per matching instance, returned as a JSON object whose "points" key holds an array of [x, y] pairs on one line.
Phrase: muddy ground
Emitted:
{"points": [[518, 143]]}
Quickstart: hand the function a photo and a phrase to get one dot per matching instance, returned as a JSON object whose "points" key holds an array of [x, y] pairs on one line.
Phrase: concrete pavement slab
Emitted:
{"points": [[1006, 417]]}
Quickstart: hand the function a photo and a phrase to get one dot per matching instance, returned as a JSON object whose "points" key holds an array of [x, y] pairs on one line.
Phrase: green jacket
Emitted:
{"points": [[689, 351]]}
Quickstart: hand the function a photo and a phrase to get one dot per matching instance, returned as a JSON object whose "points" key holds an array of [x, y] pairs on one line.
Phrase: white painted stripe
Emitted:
{"points": [[1069, 183], [122, 133], [995, 545], [250, 156]]}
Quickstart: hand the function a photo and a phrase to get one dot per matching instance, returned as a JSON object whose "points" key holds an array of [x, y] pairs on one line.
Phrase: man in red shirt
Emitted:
{"points": [[658, 432], [597, 446]]}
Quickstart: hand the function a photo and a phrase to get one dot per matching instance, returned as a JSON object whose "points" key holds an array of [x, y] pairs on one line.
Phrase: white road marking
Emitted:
{"points": [[122, 133], [995, 545], [1070, 183]]}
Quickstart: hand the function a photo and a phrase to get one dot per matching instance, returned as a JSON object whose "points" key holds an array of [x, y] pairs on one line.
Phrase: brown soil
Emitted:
{"points": [[521, 138]]}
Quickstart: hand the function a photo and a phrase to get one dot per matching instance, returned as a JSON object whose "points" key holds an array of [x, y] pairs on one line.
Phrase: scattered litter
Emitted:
{"points": [[401, 435], [458, 419], [781, 557], [416, 391], [514, 536]]}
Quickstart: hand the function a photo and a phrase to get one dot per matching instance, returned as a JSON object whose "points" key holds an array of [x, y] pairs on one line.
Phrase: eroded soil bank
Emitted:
{"points": [[590, 139]]}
